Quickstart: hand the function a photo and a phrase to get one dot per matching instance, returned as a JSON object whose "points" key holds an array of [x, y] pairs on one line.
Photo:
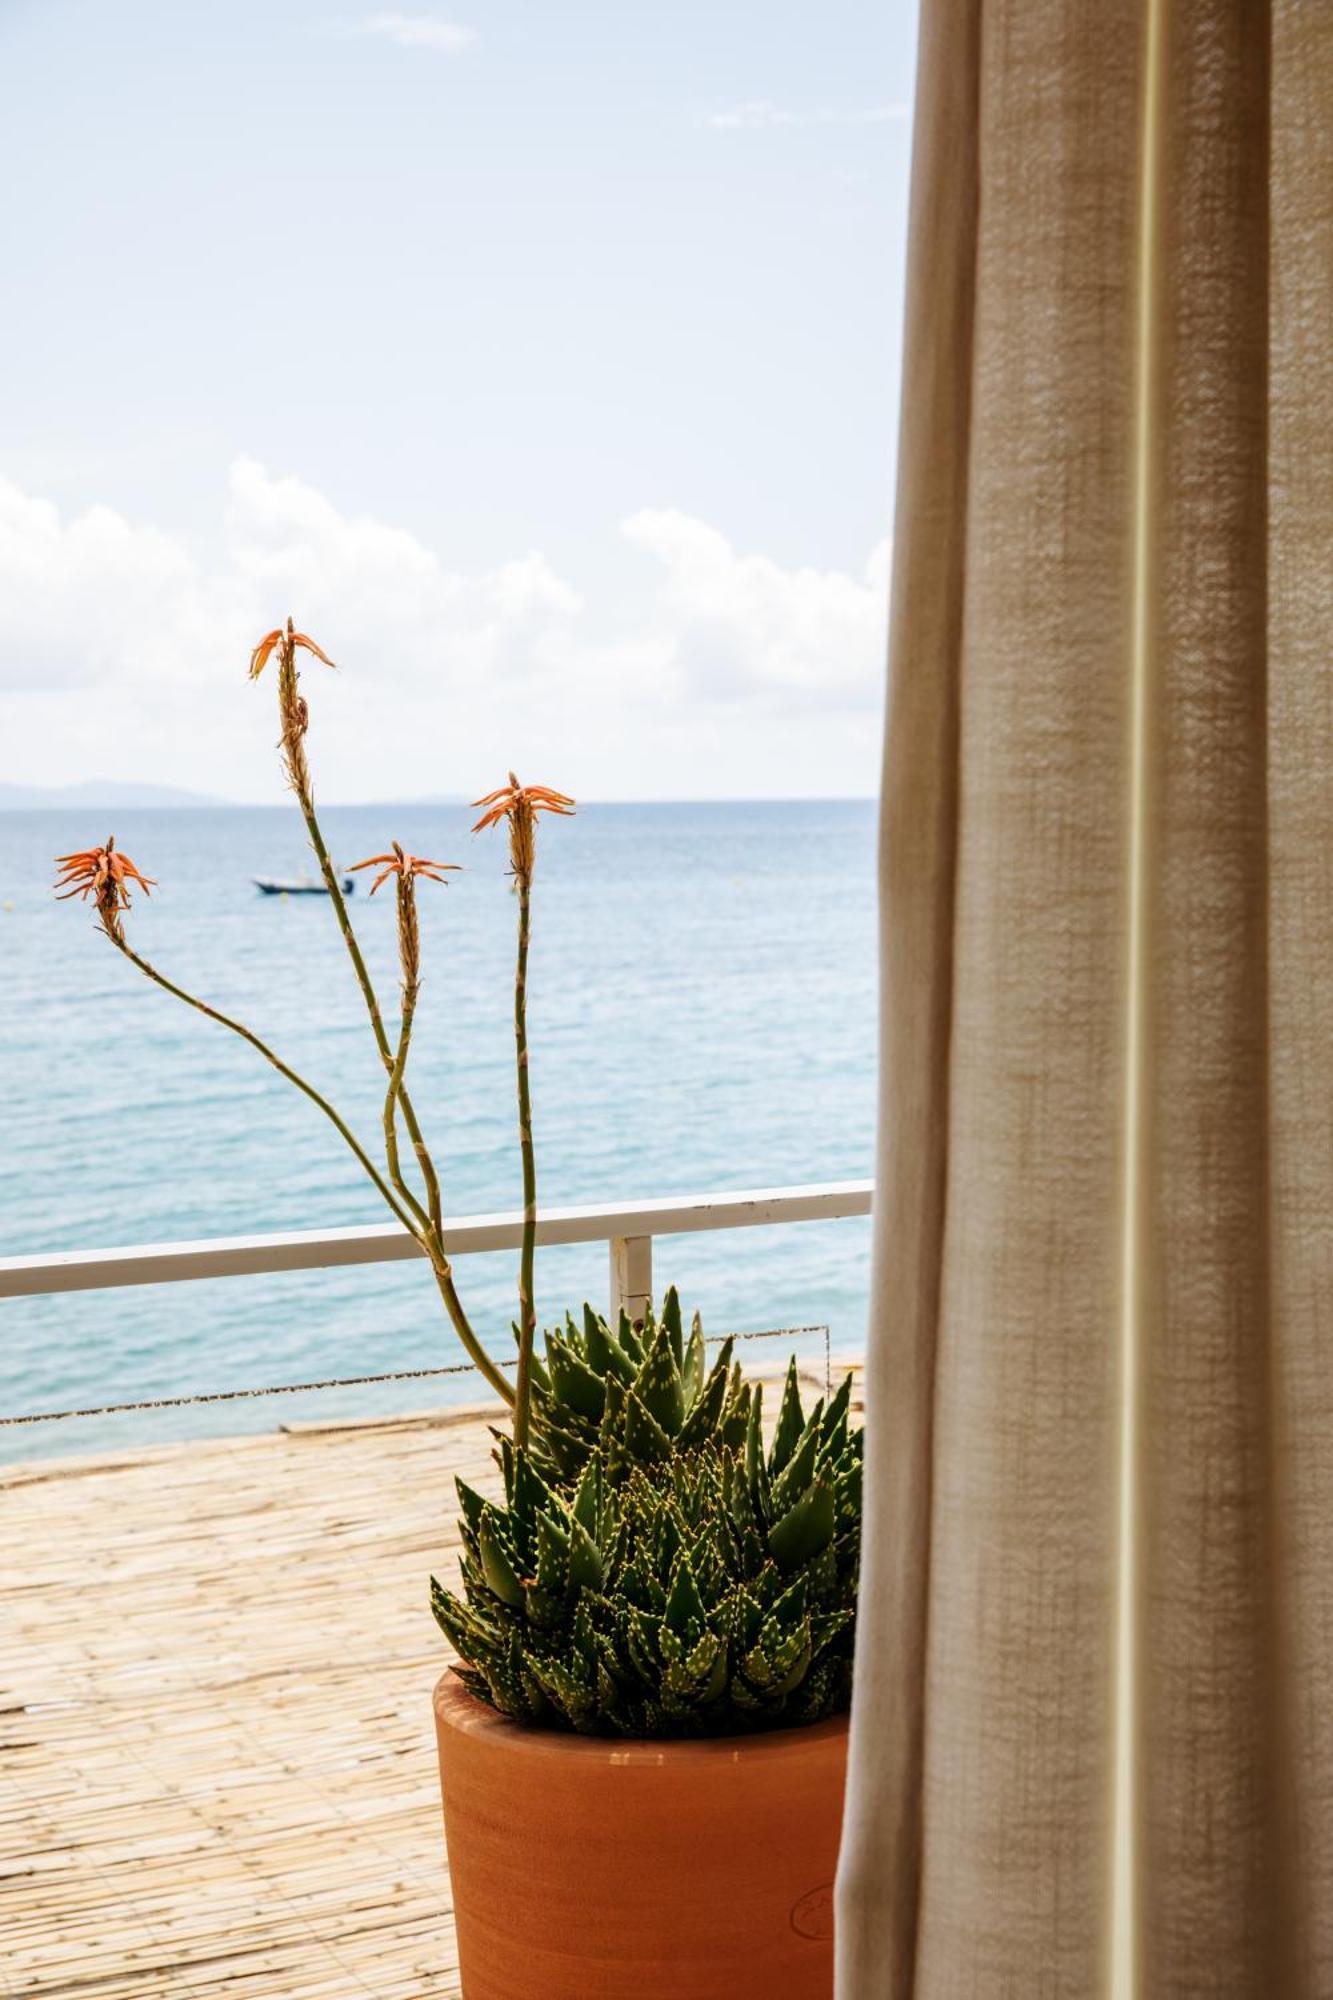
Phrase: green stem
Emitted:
{"points": [[440, 1264], [299, 774], [462, 1327], [305, 799], [527, 1317], [298, 771], [283, 1069], [424, 1160], [391, 1113], [430, 1241]]}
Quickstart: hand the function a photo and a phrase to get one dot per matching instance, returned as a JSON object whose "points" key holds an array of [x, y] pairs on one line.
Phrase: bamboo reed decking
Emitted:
{"points": [[216, 1754]]}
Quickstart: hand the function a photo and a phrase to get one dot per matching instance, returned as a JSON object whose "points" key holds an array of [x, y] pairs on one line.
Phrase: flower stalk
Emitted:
{"points": [[294, 718], [520, 804], [405, 868], [294, 721], [105, 875], [526, 1307]]}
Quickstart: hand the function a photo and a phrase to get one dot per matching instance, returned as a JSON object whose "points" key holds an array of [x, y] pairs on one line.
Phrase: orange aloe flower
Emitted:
{"points": [[517, 801], [405, 867], [260, 656], [100, 872]]}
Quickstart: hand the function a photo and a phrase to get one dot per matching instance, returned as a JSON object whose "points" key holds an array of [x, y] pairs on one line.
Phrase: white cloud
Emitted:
{"points": [[376, 583], [79, 595], [123, 651], [741, 625], [760, 115], [418, 31]]}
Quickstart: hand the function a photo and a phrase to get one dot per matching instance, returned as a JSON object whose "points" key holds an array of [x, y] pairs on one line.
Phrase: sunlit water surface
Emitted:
{"points": [[702, 997]]}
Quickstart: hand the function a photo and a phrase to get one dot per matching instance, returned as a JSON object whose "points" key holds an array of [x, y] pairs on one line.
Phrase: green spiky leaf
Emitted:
{"points": [[574, 1382], [654, 1569], [790, 1424], [658, 1384], [806, 1527], [499, 1572]]}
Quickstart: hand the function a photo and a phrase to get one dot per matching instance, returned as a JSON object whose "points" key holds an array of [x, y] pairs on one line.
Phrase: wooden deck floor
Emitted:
{"points": [[216, 1760]]}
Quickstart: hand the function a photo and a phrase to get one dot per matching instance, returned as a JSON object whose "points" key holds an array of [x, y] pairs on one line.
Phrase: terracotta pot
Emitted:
{"points": [[591, 1869]]}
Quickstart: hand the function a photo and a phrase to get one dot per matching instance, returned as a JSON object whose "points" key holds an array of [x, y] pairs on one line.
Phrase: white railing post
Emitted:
{"points": [[631, 1276]]}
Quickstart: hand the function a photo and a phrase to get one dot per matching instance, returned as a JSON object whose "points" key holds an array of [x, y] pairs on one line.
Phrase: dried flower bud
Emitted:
{"points": [[104, 875], [406, 868], [520, 805]]}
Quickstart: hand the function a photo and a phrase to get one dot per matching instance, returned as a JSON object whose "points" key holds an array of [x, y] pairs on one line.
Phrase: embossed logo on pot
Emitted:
{"points": [[812, 1916]]}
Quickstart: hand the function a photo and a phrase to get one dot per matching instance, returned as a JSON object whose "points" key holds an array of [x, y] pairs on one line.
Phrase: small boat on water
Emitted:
{"points": [[299, 885]]}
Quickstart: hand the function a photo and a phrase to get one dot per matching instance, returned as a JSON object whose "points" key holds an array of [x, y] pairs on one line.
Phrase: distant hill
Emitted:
{"points": [[104, 795], [98, 794]]}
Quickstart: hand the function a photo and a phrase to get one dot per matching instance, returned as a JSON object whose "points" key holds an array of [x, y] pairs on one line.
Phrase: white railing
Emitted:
{"points": [[628, 1229]]}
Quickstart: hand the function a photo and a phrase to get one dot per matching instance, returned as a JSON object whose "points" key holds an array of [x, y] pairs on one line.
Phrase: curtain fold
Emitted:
{"points": [[1093, 1723]]}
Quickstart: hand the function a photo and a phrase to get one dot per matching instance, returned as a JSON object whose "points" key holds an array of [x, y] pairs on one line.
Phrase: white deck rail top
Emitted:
{"points": [[629, 1229]]}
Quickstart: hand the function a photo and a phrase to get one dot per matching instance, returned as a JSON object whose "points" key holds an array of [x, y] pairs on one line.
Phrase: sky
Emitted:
{"points": [[541, 360]]}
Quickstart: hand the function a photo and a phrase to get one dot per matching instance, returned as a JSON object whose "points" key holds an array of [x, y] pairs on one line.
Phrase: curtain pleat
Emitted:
{"points": [[1092, 1741], [1209, 1867], [1300, 950]]}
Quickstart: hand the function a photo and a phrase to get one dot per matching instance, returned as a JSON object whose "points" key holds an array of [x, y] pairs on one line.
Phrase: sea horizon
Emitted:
{"points": [[62, 804]]}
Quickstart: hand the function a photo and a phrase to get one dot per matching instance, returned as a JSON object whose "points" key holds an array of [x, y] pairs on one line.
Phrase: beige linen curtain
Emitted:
{"points": [[1092, 1741]]}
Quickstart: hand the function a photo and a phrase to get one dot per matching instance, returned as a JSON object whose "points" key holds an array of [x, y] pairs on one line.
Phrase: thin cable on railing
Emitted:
{"points": [[360, 1381]]}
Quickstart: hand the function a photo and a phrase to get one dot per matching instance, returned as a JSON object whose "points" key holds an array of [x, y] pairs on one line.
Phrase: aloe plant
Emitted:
{"points": [[689, 1582], [632, 1391]]}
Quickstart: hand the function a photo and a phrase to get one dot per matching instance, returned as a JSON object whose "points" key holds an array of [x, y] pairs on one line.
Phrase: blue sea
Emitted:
{"points": [[701, 1018]]}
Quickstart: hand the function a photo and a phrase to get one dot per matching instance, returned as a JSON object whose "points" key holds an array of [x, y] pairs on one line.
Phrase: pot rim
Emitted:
{"points": [[460, 1711]]}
